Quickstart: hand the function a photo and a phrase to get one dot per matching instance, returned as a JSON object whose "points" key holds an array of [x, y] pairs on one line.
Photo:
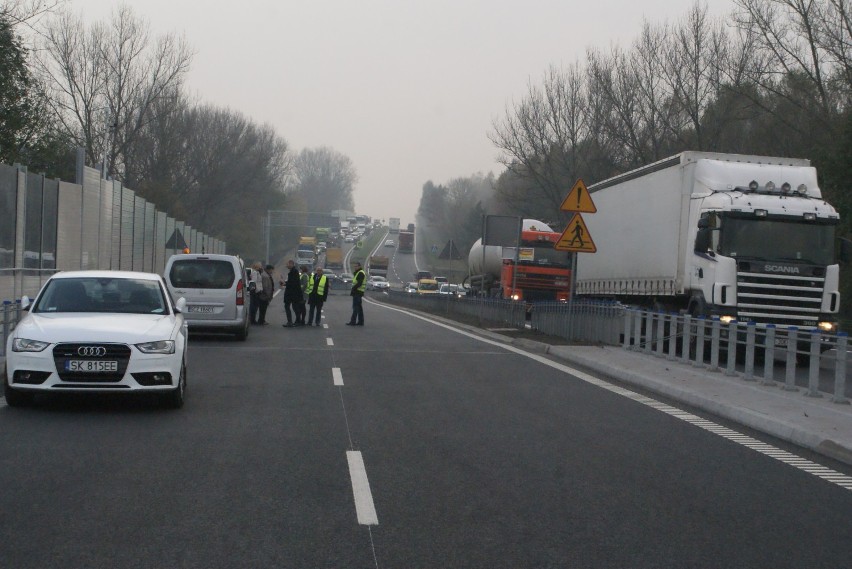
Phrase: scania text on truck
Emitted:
{"points": [[746, 238], [542, 273]]}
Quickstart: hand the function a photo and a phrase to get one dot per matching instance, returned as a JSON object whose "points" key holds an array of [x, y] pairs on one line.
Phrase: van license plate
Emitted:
{"points": [[205, 309]]}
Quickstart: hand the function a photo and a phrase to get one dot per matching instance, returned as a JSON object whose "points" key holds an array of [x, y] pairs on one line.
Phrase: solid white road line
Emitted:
{"points": [[766, 449], [329, 342], [361, 489], [337, 376]]}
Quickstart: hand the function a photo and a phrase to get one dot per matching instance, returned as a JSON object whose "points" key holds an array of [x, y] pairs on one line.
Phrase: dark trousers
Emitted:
{"points": [[262, 306], [254, 306], [287, 304], [316, 307], [301, 312], [357, 310]]}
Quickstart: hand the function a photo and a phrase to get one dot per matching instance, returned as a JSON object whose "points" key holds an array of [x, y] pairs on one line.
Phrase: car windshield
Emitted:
{"points": [[102, 295], [428, 286]]}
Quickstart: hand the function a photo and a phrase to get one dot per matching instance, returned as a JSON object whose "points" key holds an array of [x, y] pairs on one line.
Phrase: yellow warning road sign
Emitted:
{"points": [[579, 199], [576, 238]]}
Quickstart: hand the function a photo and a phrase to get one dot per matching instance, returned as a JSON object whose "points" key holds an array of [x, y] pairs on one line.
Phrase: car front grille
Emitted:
{"points": [[117, 352]]}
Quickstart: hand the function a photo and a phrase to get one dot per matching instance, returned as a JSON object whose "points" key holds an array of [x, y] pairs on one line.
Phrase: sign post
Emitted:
{"points": [[576, 237]]}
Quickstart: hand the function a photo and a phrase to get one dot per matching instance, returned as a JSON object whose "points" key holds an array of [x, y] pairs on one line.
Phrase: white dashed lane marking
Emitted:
{"points": [[364, 506], [337, 375]]}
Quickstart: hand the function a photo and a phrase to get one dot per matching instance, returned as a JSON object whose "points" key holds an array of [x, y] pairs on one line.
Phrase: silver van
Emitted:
{"points": [[215, 290]]}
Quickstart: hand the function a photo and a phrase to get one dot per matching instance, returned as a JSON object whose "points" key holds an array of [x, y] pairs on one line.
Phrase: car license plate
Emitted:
{"points": [[95, 366], [205, 309]]}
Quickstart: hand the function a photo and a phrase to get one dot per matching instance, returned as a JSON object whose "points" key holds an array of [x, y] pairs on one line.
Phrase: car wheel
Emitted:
{"points": [[242, 334], [14, 397], [174, 399]]}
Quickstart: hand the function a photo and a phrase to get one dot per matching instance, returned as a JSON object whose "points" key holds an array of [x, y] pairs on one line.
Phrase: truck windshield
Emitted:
{"points": [[777, 240], [543, 254]]}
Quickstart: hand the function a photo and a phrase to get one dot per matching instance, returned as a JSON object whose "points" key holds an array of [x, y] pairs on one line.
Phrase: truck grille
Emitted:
{"points": [[783, 300]]}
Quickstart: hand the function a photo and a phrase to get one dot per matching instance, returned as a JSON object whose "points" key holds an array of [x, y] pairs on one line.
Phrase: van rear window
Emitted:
{"points": [[202, 273]]}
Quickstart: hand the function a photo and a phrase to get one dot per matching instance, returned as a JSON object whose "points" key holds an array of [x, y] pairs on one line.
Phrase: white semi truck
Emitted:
{"points": [[746, 238]]}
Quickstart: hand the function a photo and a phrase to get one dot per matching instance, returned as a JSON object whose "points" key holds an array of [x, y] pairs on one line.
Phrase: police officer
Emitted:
{"points": [[359, 284], [317, 294]]}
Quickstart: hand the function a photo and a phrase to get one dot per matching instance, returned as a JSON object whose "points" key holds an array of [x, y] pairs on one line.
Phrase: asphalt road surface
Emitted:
{"points": [[399, 444]]}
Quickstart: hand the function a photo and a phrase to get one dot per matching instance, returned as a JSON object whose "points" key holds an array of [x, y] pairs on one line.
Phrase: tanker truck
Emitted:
{"points": [[746, 238], [542, 273]]}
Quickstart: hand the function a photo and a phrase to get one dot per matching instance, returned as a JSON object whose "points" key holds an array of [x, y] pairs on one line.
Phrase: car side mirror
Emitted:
{"points": [[26, 303], [180, 305]]}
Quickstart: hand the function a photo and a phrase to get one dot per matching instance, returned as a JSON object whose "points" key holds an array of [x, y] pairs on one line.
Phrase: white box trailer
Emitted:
{"points": [[736, 236]]}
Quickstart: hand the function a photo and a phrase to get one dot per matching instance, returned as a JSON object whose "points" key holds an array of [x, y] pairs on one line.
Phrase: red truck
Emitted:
{"points": [[542, 273]]}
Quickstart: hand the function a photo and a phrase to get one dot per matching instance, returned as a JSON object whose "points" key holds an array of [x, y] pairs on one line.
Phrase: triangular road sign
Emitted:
{"points": [[579, 199], [576, 238], [176, 241]]}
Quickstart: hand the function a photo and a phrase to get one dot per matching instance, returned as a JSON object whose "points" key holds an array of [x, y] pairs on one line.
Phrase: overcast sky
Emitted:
{"points": [[407, 89]]}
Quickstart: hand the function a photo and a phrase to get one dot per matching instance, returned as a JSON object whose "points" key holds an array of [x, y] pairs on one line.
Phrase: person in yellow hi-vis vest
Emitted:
{"points": [[318, 286], [359, 283]]}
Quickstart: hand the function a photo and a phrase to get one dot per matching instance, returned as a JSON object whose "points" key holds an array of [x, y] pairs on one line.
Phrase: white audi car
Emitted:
{"points": [[99, 331]]}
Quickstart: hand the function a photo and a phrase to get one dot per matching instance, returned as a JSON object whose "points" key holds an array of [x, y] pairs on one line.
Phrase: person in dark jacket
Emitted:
{"points": [[292, 294], [318, 286], [267, 290]]}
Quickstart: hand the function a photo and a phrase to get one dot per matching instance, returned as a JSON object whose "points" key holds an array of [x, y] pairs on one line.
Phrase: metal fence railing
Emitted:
{"points": [[580, 321], [481, 310], [744, 349]]}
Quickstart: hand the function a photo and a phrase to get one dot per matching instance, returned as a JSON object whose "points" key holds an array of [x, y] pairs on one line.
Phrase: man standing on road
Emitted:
{"points": [[359, 284], [267, 289], [301, 308], [292, 293], [317, 294]]}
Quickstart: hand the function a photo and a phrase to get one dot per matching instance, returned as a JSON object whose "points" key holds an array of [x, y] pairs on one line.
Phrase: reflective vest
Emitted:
{"points": [[321, 288], [363, 286]]}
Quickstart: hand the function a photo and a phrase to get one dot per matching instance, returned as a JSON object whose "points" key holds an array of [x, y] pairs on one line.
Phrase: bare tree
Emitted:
{"points": [[108, 79], [26, 11], [325, 178], [539, 137], [789, 34]]}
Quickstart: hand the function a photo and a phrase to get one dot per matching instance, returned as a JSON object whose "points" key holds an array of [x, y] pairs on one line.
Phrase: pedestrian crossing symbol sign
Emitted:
{"points": [[576, 238]]}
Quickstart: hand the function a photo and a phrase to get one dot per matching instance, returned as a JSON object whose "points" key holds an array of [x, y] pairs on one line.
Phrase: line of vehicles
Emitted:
{"points": [[738, 237]]}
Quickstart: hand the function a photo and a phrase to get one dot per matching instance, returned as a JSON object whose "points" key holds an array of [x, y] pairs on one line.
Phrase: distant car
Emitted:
{"points": [[441, 280], [346, 278], [410, 288], [390, 243], [349, 239], [101, 332], [215, 290], [450, 290], [377, 283]]}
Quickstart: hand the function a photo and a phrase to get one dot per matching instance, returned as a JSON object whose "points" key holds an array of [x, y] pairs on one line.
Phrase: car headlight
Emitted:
{"points": [[159, 347], [24, 345]]}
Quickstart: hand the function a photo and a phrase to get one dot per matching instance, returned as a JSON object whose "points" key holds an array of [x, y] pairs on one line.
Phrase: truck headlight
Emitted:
{"points": [[727, 319], [827, 327]]}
